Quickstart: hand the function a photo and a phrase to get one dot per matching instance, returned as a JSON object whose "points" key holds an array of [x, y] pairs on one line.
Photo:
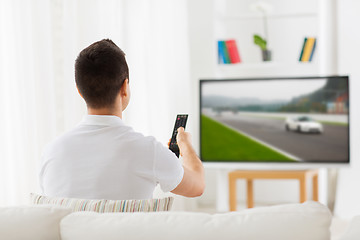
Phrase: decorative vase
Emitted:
{"points": [[266, 55]]}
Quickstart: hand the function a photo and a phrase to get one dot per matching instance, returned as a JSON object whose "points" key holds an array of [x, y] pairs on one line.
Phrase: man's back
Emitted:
{"points": [[102, 158]]}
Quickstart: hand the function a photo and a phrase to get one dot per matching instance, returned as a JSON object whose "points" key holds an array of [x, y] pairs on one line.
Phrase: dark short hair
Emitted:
{"points": [[100, 71]]}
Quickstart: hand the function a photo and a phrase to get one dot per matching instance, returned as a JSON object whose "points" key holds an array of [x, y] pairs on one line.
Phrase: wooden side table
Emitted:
{"points": [[250, 175]]}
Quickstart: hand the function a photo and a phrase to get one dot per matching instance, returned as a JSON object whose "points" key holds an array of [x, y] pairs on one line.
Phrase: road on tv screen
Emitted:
{"points": [[329, 146]]}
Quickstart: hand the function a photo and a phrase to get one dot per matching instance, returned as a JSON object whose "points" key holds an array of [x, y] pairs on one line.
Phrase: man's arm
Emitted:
{"points": [[193, 182]]}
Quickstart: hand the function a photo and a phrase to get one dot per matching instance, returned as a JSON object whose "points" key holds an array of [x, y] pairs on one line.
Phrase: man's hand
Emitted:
{"points": [[182, 136], [193, 182], [183, 140]]}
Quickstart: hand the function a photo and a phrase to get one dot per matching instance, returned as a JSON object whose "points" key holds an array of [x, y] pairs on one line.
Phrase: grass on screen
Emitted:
{"points": [[220, 143]]}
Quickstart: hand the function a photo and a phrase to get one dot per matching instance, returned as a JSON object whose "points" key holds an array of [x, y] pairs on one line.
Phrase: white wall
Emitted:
{"points": [[203, 61], [200, 15], [348, 194]]}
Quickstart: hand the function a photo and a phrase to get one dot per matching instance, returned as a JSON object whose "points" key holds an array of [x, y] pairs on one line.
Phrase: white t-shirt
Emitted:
{"points": [[102, 158]]}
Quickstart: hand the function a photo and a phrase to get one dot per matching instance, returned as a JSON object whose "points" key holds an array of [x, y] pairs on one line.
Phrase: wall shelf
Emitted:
{"points": [[246, 17], [235, 20], [267, 69]]}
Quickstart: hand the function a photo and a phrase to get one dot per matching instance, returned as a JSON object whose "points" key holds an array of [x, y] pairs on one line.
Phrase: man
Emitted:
{"points": [[102, 158]]}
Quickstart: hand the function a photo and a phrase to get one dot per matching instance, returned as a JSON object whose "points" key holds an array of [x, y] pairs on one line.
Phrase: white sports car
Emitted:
{"points": [[303, 124]]}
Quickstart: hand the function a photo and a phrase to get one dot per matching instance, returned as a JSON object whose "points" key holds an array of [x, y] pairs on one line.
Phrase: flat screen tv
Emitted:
{"points": [[283, 120]]}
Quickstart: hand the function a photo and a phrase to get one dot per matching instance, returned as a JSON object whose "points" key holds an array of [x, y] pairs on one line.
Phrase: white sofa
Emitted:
{"points": [[308, 221]]}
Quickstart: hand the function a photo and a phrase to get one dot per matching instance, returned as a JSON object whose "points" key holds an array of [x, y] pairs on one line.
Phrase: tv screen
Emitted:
{"points": [[291, 120]]}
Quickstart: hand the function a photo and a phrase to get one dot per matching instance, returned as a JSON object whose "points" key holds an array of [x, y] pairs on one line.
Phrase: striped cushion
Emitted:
{"points": [[102, 205]]}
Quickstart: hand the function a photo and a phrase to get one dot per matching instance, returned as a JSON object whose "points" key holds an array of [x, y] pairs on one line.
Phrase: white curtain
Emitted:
{"points": [[26, 90], [39, 41]]}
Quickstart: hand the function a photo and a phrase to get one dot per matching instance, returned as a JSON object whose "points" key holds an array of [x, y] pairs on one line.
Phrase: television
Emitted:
{"points": [[275, 120]]}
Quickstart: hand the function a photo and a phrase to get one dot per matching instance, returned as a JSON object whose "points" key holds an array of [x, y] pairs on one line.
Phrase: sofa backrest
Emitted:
{"points": [[31, 222], [353, 231], [310, 221]]}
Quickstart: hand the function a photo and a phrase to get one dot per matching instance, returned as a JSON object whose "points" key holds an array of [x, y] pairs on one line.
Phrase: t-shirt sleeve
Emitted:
{"points": [[168, 169]]}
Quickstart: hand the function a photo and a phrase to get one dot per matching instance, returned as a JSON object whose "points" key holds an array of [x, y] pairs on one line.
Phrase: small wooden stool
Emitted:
{"points": [[250, 175]]}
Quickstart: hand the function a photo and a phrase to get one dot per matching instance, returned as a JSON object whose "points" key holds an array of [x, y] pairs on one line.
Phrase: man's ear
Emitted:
{"points": [[79, 91], [124, 91]]}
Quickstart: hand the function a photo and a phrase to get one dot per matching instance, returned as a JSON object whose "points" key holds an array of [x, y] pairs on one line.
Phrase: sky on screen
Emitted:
{"points": [[266, 90]]}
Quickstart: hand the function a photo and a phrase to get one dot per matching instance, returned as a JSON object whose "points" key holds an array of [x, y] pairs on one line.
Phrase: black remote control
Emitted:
{"points": [[180, 122]]}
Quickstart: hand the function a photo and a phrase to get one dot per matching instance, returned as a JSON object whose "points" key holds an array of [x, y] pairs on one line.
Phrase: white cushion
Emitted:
{"points": [[353, 232], [31, 222], [310, 221]]}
